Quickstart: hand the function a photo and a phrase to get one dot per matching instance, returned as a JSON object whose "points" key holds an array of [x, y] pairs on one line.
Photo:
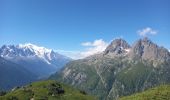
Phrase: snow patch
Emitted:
{"points": [[127, 50], [40, 52]]}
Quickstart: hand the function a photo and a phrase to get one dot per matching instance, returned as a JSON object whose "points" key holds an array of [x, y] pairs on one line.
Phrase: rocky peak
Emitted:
{"points": [[147, 50], [28, 51], [15, 51], [117, 46]]}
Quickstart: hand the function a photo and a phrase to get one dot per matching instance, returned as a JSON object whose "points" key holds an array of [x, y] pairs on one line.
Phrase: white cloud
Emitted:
{"points": [[147, 31], [94, 47], [97, 46]]}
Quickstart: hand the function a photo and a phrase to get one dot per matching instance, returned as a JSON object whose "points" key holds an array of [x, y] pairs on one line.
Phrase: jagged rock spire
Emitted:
{"points": [[117, 46]]}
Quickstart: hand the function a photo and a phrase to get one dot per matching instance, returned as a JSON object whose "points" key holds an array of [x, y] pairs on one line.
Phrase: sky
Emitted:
{"points": [[78, 28]]}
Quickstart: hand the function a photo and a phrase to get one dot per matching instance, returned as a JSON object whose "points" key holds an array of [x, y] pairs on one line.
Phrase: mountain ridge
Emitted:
{"points": [[29, 50], [117, 46], [38, 61], [34, 58], [105, 75]]}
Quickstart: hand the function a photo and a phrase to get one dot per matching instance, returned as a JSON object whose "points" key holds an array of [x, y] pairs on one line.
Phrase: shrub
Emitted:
{"points": [[83, 92]]}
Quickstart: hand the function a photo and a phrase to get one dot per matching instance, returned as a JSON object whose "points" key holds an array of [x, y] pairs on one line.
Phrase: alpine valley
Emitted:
{"points": [[127, 72], [120, 70], [22, 64]]}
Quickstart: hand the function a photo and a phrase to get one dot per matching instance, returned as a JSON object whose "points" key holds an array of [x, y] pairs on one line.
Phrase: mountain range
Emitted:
{"points": [[26, 63], [120, 70]]}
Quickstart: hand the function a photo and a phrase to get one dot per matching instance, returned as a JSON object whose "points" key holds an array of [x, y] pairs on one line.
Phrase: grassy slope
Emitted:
{"points": [[158, 93], [40, 91]]}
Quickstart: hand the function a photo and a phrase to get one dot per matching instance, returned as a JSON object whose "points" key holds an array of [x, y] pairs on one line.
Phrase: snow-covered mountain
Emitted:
{"points": [[39, 60], [30, 50]]}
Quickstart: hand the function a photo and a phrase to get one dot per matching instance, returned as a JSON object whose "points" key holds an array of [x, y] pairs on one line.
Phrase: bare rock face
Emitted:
{"points": [[145, 49], [120, 70], [117, 46]]}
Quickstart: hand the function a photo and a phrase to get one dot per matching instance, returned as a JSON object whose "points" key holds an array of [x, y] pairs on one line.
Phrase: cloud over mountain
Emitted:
{"points": [[94, 47], [97, 46], [147, 31]]}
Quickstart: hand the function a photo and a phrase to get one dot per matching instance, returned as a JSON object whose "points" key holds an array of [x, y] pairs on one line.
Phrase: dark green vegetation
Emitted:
{"points": [[120, 70], [158, 93], [109, 78], [46, 90]]}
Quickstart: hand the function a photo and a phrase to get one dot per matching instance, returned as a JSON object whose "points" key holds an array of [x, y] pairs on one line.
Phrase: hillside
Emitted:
{"points": [[158, 93], [120, 70], [12, 75], [46, 90]]}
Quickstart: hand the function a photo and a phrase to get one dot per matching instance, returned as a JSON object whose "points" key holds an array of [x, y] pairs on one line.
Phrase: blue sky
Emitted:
{"points": [[65, 24]]}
